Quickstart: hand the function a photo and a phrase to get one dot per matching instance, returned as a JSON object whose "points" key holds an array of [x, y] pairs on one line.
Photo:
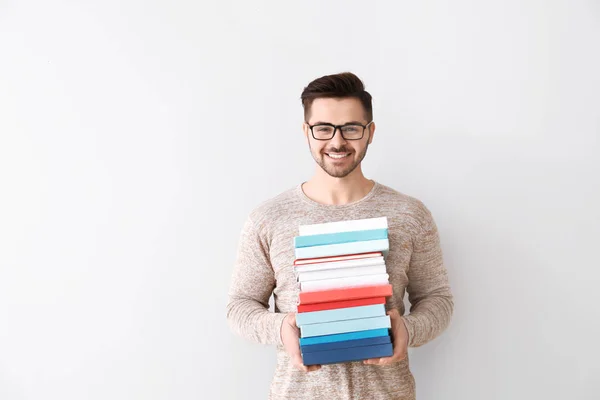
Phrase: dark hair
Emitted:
{"points": [[345, 84]]}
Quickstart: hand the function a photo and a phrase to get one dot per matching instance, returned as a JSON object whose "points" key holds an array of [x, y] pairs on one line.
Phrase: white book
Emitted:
{"points": [[341, 273], [365, 246], [338, 258], [363, 262], [340, 283], [343, 226]]}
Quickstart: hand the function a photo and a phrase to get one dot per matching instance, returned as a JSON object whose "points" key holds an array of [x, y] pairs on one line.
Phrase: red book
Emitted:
{"points": [[327, 296], [340, 304], [302, 261]]}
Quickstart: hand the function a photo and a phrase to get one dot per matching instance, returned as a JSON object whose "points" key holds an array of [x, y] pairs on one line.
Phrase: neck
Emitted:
{"points": [[326, 189]]}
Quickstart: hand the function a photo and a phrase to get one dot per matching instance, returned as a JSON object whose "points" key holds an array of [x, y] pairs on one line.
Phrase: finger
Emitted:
{"points": [[297, 362], [397, 352], [392, 359], [301, 367], [292, 318], [296, 358], [386, 360], [307, 368]]}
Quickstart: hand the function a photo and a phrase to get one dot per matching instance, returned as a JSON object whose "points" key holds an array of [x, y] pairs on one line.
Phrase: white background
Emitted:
{"points": [[136, 136]]}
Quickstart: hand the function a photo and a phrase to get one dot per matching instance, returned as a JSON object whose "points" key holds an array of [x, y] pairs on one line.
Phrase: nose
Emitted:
{"points": [[337, 138]]}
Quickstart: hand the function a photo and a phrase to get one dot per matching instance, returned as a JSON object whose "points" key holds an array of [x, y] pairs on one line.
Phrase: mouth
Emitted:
{"points": [[338, 156]]}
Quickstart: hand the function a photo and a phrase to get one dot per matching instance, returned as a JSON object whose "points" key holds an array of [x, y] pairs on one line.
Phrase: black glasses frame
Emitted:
{"points": [[335, 128]]}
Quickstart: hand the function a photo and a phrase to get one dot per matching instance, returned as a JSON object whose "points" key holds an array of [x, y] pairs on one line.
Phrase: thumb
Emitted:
{"points": [[291, 318], [393, 313]]}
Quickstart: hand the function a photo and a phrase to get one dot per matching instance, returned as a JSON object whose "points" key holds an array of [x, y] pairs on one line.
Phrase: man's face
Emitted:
{"points": [[338, 157]]}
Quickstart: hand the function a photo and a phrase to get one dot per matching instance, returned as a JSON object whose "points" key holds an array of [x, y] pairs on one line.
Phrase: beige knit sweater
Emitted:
{"points": [[264, 266]]}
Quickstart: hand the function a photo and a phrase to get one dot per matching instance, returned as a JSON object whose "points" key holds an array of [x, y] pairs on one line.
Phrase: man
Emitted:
{"points": [[339, 128]]}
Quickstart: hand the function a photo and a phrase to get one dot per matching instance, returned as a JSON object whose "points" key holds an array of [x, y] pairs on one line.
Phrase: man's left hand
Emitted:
{"points": [[399, 338]]}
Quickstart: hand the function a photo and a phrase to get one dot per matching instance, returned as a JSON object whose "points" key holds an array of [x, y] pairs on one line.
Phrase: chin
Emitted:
{"points": [[337, 172]]}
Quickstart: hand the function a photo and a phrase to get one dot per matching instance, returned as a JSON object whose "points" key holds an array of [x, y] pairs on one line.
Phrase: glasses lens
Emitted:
{"points": [[323, 131], [352, 131]]}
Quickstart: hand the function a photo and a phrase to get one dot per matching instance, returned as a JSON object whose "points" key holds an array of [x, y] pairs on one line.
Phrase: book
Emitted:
{"points": [[320, 266], [345, 294], [338, 258], [376, 310], [344, 337], [343, 226], [347, 282], [346, 344], [330, 250], [340, 273], [346, 355], [350, 325], [340, 237], [334, 305]]}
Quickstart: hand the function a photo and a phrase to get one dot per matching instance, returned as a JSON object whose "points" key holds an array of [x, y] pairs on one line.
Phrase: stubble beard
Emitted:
{"points": [[335, 172]]}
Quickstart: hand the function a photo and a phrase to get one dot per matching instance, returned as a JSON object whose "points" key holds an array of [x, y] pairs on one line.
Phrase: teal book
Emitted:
{"points": [[343, 337], [340, 237], [346, 344]]}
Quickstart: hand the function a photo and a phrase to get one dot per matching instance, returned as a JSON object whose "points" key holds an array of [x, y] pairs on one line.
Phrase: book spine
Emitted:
{"points": [[346, 344], [316, 317], [352, 325], [339, 304], [341, 273], [346, 355], [344, 337], [346, 257], [361, 262], [343, 249], [341, 283], [343, 226], [340, 237], [345, 294]]}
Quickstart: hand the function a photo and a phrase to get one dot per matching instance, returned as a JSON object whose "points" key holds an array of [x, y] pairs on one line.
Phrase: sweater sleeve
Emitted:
{"points": [[252, 284], [431, 301]]}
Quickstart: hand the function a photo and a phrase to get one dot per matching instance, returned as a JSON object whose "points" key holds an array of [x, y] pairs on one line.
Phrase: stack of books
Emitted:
{"points": [[340, 267]]}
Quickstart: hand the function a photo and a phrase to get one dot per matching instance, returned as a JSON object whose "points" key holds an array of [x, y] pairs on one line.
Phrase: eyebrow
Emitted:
{"points": [[345, 123]]}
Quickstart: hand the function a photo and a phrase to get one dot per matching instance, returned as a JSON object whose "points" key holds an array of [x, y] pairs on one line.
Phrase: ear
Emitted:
{"points": [[305, 129], [371, 132]]}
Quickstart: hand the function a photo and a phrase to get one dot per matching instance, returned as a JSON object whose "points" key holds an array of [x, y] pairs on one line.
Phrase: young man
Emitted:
{"points": [[339, 128]]}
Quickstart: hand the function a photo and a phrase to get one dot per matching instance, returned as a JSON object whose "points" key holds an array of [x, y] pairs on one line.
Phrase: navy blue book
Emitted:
{"points": [[345, 344], [346, 355]]}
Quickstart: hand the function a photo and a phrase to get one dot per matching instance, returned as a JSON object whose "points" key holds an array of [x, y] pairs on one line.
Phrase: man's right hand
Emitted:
{"points": [[290, 335]]}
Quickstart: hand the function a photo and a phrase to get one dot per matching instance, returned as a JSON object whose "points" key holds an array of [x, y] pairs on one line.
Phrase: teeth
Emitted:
{"points": [[332, 155]]}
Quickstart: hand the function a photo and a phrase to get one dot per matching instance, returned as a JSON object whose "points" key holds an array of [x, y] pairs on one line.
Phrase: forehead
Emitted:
{"points": [[336, 110]]}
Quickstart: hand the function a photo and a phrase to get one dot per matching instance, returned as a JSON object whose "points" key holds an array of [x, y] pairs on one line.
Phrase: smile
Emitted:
{"points": [[338, 156]]}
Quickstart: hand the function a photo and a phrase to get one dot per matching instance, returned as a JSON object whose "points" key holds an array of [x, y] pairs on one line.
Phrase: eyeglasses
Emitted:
{"points": [[327, 131]]}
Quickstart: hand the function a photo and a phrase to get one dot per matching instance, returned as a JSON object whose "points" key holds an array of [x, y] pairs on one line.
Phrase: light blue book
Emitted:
{"points": [[340, 237], [329, 250], [340, 314], [351, 325], [341, 337]]}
